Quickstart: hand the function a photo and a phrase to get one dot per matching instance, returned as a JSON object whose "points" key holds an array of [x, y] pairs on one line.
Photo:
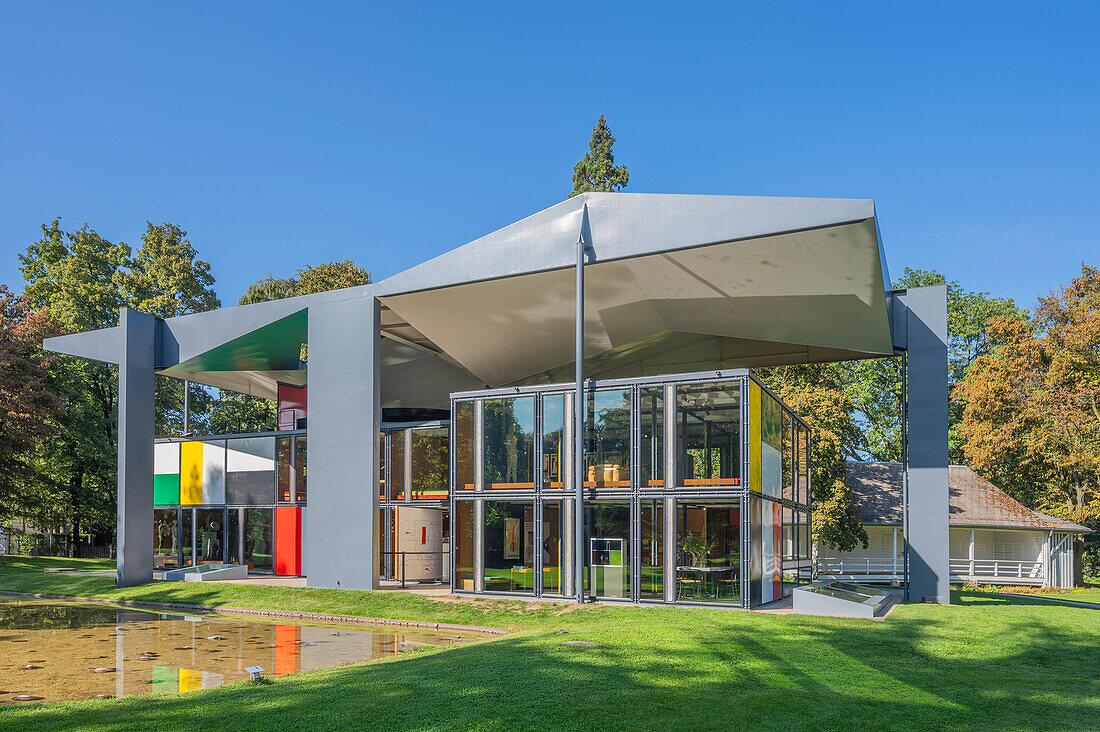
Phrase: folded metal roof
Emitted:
{"points": [[674, 283]]}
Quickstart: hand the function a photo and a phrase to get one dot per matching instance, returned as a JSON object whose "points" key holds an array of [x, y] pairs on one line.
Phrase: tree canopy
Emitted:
{"points": [[81, 279], [306, 281], [597, 171], [1031, 420]]}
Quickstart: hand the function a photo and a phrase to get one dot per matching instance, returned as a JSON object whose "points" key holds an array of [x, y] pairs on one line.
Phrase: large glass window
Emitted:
{"points": [[300, 468], [509, 448], [250, 471], [651, 556], [557, 532], [708, 546], [166, 539], [397, 465], [803, 492], [210, 539], [709, 434], [607, 439], [509, 546], [383, 458], [651, 418], [465, 444], [284, 468], [429, 463], [233, 519], [187, 544], [553, 441], [464, 545], [607, 548], [259, 539]]}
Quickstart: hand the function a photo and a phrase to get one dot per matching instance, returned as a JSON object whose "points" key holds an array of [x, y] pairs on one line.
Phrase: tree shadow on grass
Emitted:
{"points": [[994, 665]]}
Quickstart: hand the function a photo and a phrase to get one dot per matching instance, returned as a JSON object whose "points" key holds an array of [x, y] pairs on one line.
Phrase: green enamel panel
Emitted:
{"points": [[166, 489], [165, 680]]}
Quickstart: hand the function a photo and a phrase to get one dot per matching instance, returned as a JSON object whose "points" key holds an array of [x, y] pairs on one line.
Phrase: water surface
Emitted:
{"points": [[53, 651]]}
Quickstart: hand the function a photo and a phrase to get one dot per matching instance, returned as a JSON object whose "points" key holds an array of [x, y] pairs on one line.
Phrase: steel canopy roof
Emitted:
{"points": [[673, 283]]}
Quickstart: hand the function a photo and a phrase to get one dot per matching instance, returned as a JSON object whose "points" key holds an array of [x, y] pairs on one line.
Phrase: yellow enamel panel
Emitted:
{"points": [[191, 468], [190, 680], [754, 435]]}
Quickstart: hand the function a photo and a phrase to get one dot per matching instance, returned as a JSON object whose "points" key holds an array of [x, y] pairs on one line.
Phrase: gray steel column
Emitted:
{"points": [[927, 537], [578, 417], [339, 534], [135, 448]]}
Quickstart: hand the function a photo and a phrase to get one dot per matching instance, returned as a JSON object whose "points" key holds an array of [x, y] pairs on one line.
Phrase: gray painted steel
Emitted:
{"points": [[137, 333], [345, 414], [578, 413], [926, 495]]}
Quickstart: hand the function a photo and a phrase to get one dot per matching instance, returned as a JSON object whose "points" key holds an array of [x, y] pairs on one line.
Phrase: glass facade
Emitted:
{"points": [[607, 549], [166, 537], [708, 546], [708, 434], [430, 463], [509, 444], [508, 528], [711, 533]]}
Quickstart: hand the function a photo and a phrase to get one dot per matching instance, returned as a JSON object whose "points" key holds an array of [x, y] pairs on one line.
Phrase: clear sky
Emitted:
{"points": [[280, 135]]}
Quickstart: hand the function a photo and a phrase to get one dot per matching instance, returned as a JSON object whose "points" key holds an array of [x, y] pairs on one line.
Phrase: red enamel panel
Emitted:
{"points": [[292, 405], [288, 540]]}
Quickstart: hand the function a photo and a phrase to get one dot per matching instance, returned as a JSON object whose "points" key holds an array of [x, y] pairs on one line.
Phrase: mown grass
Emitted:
{"points": [[983, 662]]}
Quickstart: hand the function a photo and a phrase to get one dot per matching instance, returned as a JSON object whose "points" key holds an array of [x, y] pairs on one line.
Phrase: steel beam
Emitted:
{"points": [[345, 416], [135, 447]]}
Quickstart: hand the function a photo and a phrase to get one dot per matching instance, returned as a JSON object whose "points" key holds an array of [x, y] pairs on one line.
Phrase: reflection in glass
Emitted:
{"points": [[652, 550], [803, 493], [464, 545], [709, 434], [259, 544], [300, 468], [553, 546], [607, 546], [430, 463], [166, 537], [708, 546], [233, 518], [553, 440], [397, 465], [509, 546], [651, 418], [186, 536], [465, 445], [284, 466], [383, 458], [510, 443], [607, 439], [210, 537]]}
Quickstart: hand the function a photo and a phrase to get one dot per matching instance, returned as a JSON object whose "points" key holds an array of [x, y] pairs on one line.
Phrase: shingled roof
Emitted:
{"points": [[973, 500]]}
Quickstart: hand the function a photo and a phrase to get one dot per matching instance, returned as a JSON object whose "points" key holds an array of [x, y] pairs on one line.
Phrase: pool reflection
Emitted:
{"points": [[57, 651]]}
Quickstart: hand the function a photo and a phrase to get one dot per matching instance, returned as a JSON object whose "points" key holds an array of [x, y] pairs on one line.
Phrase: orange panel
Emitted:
{"points": [[288, 540]]}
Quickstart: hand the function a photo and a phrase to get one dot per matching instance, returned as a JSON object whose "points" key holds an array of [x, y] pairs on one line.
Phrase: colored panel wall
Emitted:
{"points": [[166, 490], [291, 406], [191, 473], [166, 474], [213, 472], [288, 540]]}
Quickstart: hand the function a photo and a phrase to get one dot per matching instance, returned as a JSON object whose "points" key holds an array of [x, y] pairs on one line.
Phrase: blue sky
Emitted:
{"points": [[280, 135]]}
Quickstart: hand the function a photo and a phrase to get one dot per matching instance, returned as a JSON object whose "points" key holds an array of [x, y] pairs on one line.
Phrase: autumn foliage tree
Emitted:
{"points": [[29, 406], [1032, 417], [816, 393]]}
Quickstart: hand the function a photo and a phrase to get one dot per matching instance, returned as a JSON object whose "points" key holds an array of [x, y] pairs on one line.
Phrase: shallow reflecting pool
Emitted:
{"points": [[53, 651]]}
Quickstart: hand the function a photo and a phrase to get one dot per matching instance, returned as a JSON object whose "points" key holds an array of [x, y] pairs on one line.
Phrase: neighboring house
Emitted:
{"points": [[994, 538]]}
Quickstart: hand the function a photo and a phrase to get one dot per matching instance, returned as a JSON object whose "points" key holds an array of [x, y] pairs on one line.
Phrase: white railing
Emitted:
{"points": [[998, 570], [962, 570]]}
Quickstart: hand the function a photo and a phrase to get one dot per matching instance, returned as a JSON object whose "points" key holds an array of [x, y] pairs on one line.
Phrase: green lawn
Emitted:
{"points": [[984, 661]]}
